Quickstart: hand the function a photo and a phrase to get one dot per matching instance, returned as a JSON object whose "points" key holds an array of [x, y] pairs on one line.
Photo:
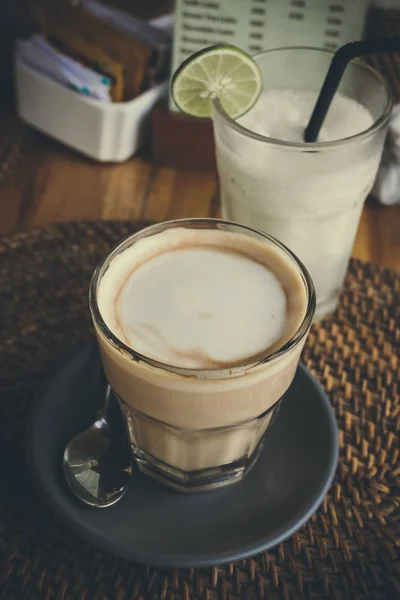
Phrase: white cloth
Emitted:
{"points": [[387, 184]]}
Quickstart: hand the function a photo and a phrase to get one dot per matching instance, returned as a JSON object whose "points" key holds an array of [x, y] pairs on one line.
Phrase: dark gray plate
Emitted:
{"points": [[157, 526]]}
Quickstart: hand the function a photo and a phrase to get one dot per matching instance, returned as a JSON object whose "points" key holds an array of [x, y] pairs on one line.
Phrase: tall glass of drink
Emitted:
{"points": [[200, 325], [309, 196]]}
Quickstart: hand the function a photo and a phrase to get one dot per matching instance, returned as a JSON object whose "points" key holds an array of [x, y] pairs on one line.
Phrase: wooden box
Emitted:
{"points": [[182, 142]]}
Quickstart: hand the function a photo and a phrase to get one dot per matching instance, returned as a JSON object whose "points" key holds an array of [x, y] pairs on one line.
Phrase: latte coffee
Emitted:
{"points": [[200, 325]]}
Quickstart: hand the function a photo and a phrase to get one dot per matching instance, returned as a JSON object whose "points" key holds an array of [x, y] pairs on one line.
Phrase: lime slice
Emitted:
{"points": [[223, 72]]}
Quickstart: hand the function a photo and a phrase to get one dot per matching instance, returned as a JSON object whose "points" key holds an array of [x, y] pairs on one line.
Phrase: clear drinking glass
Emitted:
{"points": [[308, 196], [195, 429]]}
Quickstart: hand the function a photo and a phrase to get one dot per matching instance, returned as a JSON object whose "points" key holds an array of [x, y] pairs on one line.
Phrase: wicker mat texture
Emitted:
{"points": [[350, 549]]}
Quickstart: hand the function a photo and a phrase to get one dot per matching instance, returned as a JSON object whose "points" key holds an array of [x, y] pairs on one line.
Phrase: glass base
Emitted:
{"points": [[194, 481]]}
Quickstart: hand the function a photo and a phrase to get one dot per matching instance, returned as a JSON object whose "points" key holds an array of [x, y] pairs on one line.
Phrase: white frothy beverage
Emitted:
{"points": [[310, 201], [208, 301], [284, 114]]}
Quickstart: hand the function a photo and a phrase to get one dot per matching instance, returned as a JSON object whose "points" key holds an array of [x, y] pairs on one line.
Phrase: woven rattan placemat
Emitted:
{"points": [[350, 547]]}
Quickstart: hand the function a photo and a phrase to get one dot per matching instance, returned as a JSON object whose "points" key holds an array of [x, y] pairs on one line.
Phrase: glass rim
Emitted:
{"points": [[315, 146], [219, 373]]}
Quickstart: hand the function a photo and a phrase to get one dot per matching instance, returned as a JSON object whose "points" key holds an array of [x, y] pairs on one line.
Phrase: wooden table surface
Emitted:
{"points": [[54, 184]]}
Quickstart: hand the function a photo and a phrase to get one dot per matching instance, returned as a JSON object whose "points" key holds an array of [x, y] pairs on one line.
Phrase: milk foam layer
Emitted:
{"points": [[201, 298]]}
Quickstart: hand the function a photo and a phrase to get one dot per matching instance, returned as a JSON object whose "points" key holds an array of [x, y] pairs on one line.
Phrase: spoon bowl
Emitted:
{"points": [[97, 463]]}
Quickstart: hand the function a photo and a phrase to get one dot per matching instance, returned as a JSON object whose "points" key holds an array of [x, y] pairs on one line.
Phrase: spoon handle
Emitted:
{"points": [[106, 389]]}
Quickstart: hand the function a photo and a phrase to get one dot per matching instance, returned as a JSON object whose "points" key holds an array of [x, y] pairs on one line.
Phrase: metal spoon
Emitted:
{"points": [[97, 463]]}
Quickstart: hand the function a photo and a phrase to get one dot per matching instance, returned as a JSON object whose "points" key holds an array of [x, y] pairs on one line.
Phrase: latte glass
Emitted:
{"points": [[309, 196], [195, 429]]}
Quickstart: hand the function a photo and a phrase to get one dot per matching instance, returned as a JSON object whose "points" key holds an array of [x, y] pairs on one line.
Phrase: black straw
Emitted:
{"points": [[337, 67]]}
